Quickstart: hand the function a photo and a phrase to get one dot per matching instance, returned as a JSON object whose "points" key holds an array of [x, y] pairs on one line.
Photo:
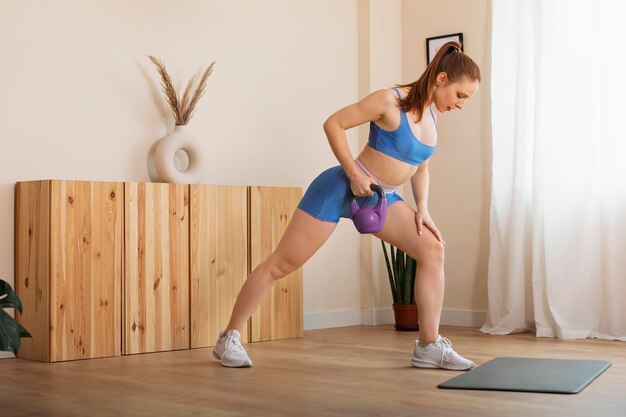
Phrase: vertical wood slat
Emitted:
{"points": [[106, 255], [85, 275], [156, 267], [218, 258], [32, 262], [280, 314]]}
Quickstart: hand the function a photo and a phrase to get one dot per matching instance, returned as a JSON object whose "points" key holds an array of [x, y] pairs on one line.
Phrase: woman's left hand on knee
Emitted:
{"points": [[423, 219]]}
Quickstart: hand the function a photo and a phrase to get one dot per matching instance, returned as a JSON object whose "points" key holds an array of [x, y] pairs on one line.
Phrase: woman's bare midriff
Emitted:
{"points": [[386, 168]]}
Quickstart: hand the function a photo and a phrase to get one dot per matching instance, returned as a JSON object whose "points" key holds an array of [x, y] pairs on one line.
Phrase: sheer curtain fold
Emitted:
{"points": [[557, 263]]}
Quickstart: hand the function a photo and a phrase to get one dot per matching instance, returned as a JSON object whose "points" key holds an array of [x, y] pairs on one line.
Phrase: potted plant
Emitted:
{"points": [[10, 330], [401, 269]]}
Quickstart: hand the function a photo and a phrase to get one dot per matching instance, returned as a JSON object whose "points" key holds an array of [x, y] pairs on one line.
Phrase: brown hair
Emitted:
{"points": [[449, 59]]}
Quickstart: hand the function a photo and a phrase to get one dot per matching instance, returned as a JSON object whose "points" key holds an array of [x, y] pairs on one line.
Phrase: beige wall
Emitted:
{"points": [[81, 101]]}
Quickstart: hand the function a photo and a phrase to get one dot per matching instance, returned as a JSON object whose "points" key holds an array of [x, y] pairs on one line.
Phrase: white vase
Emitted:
{"points": [[165, 157]]}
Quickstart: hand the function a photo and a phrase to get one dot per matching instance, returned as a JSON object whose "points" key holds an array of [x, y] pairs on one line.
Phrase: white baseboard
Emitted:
{"points": [[328, 319], [463, 318], [375, 317]]}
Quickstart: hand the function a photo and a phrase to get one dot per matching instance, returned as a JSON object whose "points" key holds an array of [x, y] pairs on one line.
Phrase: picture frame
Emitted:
{"points": [[434, 43]]}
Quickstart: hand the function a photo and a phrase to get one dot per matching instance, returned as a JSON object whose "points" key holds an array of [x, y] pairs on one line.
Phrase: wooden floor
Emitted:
{"points": [[352, 371]]}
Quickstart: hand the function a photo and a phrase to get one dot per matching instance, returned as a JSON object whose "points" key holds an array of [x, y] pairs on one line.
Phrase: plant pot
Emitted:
{"points": [[406, 317]]}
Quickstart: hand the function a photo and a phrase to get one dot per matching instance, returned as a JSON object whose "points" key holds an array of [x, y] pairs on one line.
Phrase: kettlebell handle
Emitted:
{"points": [[378, 190]]}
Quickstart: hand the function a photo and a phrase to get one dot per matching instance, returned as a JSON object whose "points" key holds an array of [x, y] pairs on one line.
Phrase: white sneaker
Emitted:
{"points": [[229, 352], [439, 354]]}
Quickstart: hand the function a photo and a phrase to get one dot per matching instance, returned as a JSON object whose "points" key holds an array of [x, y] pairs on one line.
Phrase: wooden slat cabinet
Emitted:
{"points": [[156, 267], [68, 238], [219, 258], [280, 314], [106, 268]]}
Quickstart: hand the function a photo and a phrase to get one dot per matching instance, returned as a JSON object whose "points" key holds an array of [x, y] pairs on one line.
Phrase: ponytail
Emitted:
{"points": [[449, 59]]}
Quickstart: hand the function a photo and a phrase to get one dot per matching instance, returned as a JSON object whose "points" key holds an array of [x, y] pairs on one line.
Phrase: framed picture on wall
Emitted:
{"points": [[433, 44]]}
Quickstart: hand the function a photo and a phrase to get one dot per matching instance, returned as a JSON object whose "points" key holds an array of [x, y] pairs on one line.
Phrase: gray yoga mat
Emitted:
{"points": [[560, 376]]}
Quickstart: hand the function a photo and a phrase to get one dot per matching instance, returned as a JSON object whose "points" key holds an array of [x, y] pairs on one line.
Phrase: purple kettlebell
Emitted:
{"points": [[370, 219]]}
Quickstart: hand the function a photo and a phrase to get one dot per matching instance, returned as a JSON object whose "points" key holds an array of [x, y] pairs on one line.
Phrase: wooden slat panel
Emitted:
{"points": [[106, 255], [218, 258], [32, 260], [68, 288], [85, 274], [156, 267], [280, 314]]}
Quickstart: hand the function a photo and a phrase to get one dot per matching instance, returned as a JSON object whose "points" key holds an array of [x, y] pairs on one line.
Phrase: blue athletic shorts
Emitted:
{"points": [[328, 197]]}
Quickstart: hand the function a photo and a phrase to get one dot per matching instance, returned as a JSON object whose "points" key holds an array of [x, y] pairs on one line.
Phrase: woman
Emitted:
{"points": [[402, 138]]}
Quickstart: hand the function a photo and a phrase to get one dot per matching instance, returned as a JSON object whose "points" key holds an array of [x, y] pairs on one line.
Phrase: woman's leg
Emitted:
{"points": [[400, 231], [304, 236]]}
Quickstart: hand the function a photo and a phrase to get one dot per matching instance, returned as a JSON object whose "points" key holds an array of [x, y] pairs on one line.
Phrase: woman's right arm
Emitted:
{"points": [[372, 108]]}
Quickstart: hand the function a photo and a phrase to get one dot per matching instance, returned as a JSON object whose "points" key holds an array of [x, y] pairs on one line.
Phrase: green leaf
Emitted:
{"points": [[8, 298], [10, 333], [414, 274], [394, 294], [401, 266], [408, 282], [396, 276], [400, 259], [402, 270]]}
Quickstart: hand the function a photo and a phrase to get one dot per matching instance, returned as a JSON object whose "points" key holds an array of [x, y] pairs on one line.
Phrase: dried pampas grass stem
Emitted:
{"points": [[183, 109], [190, 107]]}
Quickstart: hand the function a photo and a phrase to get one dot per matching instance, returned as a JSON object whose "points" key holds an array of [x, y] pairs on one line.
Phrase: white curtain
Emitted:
{"points": [[557, 262]]}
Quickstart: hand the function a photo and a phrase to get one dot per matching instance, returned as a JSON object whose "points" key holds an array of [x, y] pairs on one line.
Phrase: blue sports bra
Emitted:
{"points": [[401, 143]]}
